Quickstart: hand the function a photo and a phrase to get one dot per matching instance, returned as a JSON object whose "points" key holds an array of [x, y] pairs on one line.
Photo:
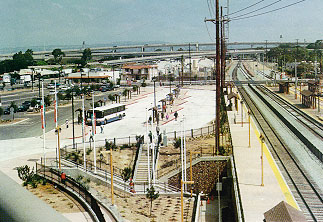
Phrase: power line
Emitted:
{"points": [[277, 9], [208, 32], [266, 6], [208, 5], [246, 7]]}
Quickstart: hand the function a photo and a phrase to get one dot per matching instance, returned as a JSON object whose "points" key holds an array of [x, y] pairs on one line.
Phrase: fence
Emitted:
{"points": [[100, 165], [54, 176], [131, 140]]}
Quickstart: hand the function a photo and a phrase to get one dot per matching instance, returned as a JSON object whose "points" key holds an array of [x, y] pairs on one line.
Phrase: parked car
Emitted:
{"points": [[6, 110], [22, 108], [26, 103]]}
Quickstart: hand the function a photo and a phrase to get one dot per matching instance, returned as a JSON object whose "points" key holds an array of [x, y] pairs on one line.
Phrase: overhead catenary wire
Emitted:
{"points": [[250, 6], [256, 10], [263, 13]]}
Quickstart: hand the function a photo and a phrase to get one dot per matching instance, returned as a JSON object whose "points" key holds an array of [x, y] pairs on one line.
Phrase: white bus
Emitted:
{"points": [[106, 114]]}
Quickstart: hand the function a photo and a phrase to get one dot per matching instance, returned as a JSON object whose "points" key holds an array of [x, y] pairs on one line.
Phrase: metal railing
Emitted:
{"points": [[55, 177]]}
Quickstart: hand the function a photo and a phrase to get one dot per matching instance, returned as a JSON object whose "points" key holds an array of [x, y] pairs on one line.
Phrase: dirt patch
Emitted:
{"points": [[137, 207], [169, 156], [57, 199], [10, 121]]}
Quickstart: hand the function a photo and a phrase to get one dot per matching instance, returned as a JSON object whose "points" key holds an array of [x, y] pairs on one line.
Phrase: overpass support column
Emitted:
{"points": [[197, 47], [171, 48], [142, 50]]}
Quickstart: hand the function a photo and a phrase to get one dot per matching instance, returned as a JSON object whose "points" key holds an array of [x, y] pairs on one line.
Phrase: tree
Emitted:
{"points": [[111, 97], [87, 55], [13, 105], [58, 55], [152, 195], [47, 100], [1, 111], [126, 174], [125, 93]]}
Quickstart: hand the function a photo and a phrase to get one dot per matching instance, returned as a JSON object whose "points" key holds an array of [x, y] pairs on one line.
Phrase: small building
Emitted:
{"points": [[93, 76], [308, 98], [283, 87], [313, 85], [139, 71], [285, 213]]}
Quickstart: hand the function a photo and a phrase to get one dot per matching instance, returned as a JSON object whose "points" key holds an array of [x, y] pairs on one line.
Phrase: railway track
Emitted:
{"points": [[311, 124], [306, 193]]}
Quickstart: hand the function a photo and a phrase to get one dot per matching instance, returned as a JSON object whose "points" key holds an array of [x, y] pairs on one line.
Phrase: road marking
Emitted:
{"points": [[280, 179]]}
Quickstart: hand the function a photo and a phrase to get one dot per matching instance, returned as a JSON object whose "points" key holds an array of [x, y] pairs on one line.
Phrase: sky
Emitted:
{"points": [[70, 22]]}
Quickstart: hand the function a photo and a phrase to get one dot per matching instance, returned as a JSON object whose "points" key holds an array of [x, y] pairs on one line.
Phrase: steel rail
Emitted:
{"points": [[302, 184]]}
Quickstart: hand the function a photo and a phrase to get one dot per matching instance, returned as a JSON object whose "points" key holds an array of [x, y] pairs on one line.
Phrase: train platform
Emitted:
{"points": [[256, 199]]}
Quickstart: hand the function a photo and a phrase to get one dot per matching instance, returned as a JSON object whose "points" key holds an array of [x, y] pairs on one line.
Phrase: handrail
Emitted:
{"points": [[54, 176], [135, 167]]}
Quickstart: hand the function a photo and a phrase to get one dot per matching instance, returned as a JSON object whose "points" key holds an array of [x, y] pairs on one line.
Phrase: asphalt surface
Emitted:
{"points": [[31, 126]]}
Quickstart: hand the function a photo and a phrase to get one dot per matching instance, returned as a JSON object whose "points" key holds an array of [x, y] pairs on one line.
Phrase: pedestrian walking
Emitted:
{"points": [[157, 130], [162, 115], [150, 136], [66, 122], [176, 115], [91, 137], [167, 116], [101, 127]]}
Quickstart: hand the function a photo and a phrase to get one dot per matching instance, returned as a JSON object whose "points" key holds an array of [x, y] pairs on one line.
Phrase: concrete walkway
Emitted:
{"points": [[256, 199]]}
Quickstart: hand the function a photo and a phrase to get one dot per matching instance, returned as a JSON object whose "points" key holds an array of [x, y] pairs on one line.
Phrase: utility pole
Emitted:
{"points": [[295, 79], [182, 61], [217, 70], [222, 51], [189, 55]]}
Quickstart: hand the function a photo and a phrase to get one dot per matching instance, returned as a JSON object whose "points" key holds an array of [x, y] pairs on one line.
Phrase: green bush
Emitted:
{"points": [[110, 145], [177, 143]]}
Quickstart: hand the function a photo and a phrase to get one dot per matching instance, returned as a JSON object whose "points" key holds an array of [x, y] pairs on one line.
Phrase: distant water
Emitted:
{"points": [[50, 48]]}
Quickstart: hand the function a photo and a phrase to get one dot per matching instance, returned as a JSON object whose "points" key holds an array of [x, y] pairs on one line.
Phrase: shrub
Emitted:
{"points": [[177, 143], [110, 145]]}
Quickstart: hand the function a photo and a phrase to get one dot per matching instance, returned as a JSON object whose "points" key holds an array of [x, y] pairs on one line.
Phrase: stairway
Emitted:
{"points": [[142, 170]]}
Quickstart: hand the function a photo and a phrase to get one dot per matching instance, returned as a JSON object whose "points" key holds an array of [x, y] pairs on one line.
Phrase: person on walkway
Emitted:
{"points": [[63, 177], [150, 137], [66, 122], [162, 116], [102, 128], [91, 137], [167, 116], [176, 115], [157, 130]]}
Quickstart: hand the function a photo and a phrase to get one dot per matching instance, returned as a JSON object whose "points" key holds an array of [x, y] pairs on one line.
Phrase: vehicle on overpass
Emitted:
{"points": [[106, 114]]}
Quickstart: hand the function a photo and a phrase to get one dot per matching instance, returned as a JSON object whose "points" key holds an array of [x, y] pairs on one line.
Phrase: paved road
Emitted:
{"points": [[32, 125]]}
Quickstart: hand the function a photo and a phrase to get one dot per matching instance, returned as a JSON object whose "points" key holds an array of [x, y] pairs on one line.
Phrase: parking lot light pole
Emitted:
{"points": [[111, 170]]}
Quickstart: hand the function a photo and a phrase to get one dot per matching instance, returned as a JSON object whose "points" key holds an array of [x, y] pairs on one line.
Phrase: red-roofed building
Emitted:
{"points": [[139, 71]]}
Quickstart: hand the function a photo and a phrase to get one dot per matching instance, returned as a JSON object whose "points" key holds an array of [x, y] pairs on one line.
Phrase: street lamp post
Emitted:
{"points": [[73, 120], [111, 170], [262, 138], [57, 131], [249, 126]]}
